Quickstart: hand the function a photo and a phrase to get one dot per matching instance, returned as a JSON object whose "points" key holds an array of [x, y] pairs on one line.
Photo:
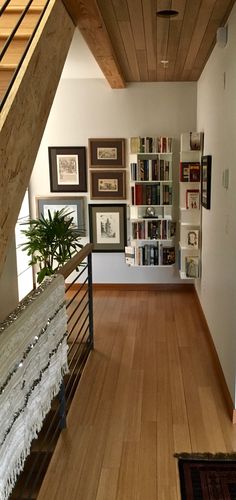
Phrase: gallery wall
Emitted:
{"points": [[216, 116], [89, 108]]}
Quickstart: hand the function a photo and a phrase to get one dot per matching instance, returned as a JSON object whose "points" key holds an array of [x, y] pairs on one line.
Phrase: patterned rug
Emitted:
{"points": [[207, 477]]}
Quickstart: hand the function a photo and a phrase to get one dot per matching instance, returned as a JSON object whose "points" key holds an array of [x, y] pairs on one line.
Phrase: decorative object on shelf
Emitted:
{"points": [[206, 181], [192, 266], [190, 208], [108, 184], [192, 199], [150, 212], [33, 360], [107, 227], [67, 169], [107, 153]]}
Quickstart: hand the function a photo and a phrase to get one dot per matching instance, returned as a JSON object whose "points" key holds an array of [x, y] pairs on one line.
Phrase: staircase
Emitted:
{"points": [[25, 110], [8, 20]]}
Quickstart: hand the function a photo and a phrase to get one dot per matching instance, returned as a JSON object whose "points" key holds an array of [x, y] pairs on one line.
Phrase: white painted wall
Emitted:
{"points": [[216, 116], [89, 108]]}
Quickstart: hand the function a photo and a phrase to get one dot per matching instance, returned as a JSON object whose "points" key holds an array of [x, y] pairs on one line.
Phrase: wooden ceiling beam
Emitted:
{"points": [[87, 16]]}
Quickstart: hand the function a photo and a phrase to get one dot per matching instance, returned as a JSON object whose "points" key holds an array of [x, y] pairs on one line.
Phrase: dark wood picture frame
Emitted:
{"points": [[57, 203], [206, 181], [107, 153], [108, 184], [67, 166], [108, 227]]}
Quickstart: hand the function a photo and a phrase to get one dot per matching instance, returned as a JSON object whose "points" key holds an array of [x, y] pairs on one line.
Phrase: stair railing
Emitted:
{"points": [[10, 38]]}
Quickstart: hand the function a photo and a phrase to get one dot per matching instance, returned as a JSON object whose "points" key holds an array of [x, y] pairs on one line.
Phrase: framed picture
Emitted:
{"points": [[108, 227], [67, 167], [206, 181], [107, 184], [75, 207], [192, 199], [107, 153]]}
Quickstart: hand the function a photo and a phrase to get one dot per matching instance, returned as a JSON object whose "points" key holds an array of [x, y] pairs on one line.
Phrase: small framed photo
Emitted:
{"points": [[107, 153], [192, 267], [206, 181], [107, 184], [67, 167], [75, 207], [192, 238], [192, 199], [107, 227]]}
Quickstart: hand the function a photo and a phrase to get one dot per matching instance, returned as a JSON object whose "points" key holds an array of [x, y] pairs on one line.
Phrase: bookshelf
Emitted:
{"points": [[191, 144], [151, 229]]}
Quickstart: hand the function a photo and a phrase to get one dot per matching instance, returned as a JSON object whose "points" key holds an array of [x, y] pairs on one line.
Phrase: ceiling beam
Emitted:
{"points": [[87, 16]]}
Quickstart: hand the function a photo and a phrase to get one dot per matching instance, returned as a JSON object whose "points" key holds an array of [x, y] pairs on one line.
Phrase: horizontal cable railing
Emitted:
{"points": [[10, 39], [77, 274]]}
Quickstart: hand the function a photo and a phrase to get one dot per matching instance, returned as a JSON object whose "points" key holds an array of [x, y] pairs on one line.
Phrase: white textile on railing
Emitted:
{"points": [[33, 360]]}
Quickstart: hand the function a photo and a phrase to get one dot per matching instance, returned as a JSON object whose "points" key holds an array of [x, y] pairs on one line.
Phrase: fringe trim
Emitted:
{"points": [[206, 456], [12, 476]]}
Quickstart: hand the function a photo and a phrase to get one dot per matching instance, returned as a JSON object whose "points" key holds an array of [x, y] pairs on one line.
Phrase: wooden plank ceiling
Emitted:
{"points": [[139, 40]]}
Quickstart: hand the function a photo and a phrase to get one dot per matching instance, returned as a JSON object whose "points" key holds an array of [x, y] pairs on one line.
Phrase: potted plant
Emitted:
{"points": [[51, 241]]}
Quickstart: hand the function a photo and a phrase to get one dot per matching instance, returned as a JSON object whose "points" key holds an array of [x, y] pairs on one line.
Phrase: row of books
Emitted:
{"points": [[161, 229], [150, 170], [151, 194], [150, 145], [150, 255], [189, 171]]}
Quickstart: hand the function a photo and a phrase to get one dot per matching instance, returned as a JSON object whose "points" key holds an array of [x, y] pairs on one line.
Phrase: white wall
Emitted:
{"points": [[216, 116], [89, 108]]}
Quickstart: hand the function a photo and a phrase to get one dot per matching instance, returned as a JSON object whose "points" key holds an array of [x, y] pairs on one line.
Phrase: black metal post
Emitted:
{"points": [[62, 406], [90, 296]]}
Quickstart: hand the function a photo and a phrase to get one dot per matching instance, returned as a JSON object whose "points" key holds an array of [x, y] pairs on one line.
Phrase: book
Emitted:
{"points": [[191, 141], [191, 238], [189, 171], [192, 199], [192, 266], [168, 256], [130, 255]]}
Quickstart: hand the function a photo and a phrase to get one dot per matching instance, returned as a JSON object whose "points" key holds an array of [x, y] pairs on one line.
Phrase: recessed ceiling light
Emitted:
{"points": [[164, 61], [167, 13]]}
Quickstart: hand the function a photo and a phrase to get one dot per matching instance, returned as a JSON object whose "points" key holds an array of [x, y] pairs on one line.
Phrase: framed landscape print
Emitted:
{"points": [[107, 184], [67, 167], [206, 181], [107, 153], [75, 207], [107, 227]]}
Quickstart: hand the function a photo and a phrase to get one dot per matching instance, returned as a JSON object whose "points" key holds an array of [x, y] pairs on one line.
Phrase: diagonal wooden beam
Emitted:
{"points": [[87, 16]]}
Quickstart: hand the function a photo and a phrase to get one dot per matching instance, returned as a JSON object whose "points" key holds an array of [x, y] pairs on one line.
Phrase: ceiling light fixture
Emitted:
{"points": [[167, 13]]}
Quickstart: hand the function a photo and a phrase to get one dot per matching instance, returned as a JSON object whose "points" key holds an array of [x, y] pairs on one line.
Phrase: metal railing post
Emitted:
{"points": [[62, 406], [90, 295]]}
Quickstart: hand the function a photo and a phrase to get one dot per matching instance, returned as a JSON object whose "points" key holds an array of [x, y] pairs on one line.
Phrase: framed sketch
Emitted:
{"points": [[206, 181], [107, 227], [67, 166], [107, 153], [75, 207], [107, 184]]}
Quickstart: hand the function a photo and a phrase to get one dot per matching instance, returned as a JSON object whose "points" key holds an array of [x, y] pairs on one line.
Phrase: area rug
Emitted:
{"points": [[207, 477]]}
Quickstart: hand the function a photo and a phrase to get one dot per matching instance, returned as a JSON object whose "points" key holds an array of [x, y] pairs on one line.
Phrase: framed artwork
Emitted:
{"points": [[67, 166], [107, 227], [107, 184], [75, 207], [107, 153], [206, 181]]}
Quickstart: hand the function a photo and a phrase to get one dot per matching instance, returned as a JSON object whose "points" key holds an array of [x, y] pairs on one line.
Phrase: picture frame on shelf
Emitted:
{"points": [[75, 206], [206, 181], [192, 266], [192, 238], [107, 227], [108, 184], [67, 167], [192, 199], [107, 153]]}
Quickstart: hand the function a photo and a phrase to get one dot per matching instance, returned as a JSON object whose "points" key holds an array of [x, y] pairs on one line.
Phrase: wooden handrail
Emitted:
{"points": [[70, 266]]}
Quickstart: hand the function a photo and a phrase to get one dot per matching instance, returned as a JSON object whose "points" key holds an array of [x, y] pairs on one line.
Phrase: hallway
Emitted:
{"points": [[149, 390]]}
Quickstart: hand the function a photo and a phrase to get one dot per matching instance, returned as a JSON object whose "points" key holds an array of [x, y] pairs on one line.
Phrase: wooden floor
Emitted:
{"points": [[149, 390]]}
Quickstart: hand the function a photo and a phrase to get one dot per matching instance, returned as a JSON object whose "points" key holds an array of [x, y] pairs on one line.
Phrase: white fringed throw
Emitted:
{"points": [[33, 360]]}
